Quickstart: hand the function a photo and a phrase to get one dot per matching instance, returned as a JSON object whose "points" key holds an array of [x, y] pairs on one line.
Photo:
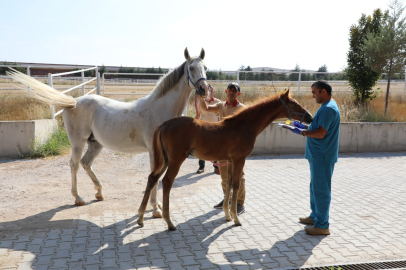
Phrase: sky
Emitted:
{"points": [[268, 33]]}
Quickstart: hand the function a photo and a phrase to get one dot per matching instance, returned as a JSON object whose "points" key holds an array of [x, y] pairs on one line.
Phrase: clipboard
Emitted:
{"points": [[286, 126]]}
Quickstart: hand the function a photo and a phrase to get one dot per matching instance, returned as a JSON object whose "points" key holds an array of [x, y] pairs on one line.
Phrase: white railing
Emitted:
{"points": [[82, 71], [131, 81], [299, 76]]}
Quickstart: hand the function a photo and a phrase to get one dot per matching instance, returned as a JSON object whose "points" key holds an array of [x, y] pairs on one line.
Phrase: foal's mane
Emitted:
{"points": [[260, 105], [168, 81]]}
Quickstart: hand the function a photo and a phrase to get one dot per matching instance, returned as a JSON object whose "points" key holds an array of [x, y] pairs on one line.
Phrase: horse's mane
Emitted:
{"points": [[260, 104], [168, 81]]}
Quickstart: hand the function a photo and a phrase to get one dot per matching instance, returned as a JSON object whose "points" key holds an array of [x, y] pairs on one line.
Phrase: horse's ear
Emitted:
{"points": [[202, 54], [286, 93], [187, 56]]}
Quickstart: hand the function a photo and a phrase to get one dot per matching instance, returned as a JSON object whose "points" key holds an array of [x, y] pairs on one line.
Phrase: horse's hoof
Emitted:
{"points": [[140, 223], [100, 197], [172, 228], [229, 218], [238, 224], [157, 214], [80, 202]]}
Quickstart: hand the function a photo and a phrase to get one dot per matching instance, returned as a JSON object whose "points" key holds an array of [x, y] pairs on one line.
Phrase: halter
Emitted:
{"points": [[189, 79], [292, 112]]}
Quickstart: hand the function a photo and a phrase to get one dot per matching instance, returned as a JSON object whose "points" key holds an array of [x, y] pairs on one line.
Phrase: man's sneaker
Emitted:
{"points": [[216, 170], [317, 231], [200, 170], [240, 209], [306, 220], [220, 205]]}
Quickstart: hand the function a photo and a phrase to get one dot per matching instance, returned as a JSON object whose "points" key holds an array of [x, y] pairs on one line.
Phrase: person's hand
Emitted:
{"points": [[211, 88], [297, 130], [298, 125]]}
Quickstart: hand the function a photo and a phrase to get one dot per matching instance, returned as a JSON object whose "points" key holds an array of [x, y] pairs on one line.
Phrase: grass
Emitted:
{"points": [[16, 107], [373, 112], [57, 144]]}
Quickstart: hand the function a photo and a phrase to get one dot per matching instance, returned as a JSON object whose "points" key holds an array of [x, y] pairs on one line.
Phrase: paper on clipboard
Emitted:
{"points": [[286, 126]]}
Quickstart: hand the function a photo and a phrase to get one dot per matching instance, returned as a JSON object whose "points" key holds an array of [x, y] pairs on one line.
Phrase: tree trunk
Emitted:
{"points": [[387, 92]]}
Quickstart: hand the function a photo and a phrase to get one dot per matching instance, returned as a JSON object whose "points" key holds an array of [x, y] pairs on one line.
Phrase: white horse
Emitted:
{"points": [[120, 126]]}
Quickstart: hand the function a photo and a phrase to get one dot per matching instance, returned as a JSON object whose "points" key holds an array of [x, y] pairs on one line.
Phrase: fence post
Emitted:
{"points": [[298, 87], [29, 74], [98, 82], [51, 84], [83, 81], [238, 76], [103, 83], [404, 88]]}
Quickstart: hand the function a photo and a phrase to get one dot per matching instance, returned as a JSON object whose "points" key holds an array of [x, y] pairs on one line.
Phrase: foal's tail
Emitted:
{"points": [[42, 91], [159, 153]]}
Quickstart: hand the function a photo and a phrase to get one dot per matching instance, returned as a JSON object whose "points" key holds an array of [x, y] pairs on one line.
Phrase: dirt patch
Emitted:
{"points": [[36, 191]]}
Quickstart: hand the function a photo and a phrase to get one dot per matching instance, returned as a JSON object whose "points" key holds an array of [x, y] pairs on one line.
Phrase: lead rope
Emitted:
{"points": [[197, 111]]}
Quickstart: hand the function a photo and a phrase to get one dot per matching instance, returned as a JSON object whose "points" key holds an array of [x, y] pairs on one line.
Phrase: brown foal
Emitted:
{"points": [[180, 137]]}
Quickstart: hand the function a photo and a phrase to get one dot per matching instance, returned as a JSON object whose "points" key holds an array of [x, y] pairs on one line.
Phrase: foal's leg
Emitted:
{"points": [[152, 182], [156, 205], [228, 191], [93, 150], [77, 148], [238, 165], [167, 183]]}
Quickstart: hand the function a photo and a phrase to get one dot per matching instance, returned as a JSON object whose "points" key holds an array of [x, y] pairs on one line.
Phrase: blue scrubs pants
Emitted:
{"points": [[320, 192]]}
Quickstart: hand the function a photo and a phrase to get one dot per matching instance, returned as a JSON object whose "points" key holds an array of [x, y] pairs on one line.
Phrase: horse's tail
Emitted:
{"points": [[159, 153], [42, 91]]}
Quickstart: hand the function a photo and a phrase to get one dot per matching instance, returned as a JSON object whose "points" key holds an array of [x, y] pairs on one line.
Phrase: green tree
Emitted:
{"points": [[103, 70], [322, 76], [212, 75], [386, 51], [250, 75], [361, 77], [4, 69], [294, 76], [262, 75]]}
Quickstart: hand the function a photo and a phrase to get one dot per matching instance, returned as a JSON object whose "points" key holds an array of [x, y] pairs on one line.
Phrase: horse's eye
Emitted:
{"points": [[191, 68]]}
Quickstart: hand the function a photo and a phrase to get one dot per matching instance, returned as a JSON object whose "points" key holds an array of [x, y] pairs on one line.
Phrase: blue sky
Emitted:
{"points": [[277, 34]]}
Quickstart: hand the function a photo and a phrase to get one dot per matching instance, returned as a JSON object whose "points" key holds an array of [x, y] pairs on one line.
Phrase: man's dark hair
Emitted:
{"points": [[320, 85]]}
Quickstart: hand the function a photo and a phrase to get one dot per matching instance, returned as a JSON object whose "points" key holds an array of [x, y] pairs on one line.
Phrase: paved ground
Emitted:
{"points": [[368, 223]]}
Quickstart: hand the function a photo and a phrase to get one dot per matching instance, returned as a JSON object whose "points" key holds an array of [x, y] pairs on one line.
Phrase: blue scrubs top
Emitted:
{"points": [[327, 116]]}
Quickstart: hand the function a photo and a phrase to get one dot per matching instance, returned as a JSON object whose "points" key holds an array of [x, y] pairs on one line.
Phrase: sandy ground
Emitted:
{"points": [[30, 187]]}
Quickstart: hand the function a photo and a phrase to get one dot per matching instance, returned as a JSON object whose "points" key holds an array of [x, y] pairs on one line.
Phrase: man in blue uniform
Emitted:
{"points": [[322, 153]]}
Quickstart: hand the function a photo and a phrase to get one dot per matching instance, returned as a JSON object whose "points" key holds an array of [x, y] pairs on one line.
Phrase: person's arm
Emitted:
{"points": [[315, 133], [206, 107]]}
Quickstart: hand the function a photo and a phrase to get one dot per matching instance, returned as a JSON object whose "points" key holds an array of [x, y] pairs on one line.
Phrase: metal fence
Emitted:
{"points": [[130, 81], [82, 71]]}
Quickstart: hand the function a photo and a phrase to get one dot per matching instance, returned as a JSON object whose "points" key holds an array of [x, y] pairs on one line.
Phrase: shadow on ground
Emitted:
{"points": [[79, 243]]}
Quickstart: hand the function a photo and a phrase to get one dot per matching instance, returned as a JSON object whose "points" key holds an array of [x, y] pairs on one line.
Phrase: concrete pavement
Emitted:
{"points": [[367, 217]]}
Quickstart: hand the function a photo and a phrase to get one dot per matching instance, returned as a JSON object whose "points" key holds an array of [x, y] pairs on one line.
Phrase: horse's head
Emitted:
{"points": [[293, 110], [196, 73]]}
